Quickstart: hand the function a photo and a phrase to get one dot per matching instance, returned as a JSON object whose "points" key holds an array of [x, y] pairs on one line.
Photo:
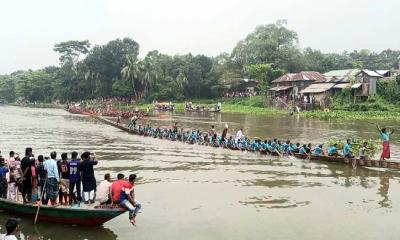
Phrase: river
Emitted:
{"points": [[196, 192]]}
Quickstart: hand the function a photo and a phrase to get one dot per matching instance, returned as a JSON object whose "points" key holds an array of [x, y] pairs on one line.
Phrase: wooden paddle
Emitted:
{"points": [[41, 198]]}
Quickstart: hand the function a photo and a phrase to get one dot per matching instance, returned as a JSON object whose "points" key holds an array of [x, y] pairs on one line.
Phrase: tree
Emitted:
{"points": [[264, 73], [151, 71], [272, 43], [106, 62], [131, 70], [70, 51]]}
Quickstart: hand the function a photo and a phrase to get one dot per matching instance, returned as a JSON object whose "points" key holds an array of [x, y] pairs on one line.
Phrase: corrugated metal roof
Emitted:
{"points": [[356, 85], [281, 88], [370, 73], [301, 76], [318, 88], [342, 85], [342, 73], [382, 72]]}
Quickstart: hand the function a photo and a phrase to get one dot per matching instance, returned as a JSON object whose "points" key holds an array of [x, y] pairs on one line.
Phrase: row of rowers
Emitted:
{"points": [[242, 142]]}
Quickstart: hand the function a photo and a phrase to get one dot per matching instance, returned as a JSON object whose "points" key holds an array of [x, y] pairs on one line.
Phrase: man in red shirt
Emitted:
{"points": [[117, 186], [128, 199]]}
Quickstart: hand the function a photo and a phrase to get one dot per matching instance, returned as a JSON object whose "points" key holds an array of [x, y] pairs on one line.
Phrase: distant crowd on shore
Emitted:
{"points": [[65, 181], [238, 94]]}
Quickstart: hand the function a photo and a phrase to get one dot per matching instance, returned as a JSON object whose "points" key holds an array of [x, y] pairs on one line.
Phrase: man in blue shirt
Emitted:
{"points": [[347, 149], [303, 149], [332, 151], [74, 178], [318, 150], [3, 180], [53, 178]]}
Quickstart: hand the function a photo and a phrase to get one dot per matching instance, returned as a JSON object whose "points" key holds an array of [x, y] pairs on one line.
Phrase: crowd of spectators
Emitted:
{"points": [[238, 94]]}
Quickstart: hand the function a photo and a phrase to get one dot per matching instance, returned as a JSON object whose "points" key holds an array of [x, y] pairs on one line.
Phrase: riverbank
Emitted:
{"points": [[254, 106]]}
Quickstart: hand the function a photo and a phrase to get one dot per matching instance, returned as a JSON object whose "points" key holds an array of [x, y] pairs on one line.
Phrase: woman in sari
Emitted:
{"points": [[385, 136]]}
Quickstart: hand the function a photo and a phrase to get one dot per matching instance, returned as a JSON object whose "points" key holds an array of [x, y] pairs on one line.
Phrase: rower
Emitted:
{"points": [[318, 150], [362, 152], [132, 124], [347, 149], [303, 149], [332, 151]]}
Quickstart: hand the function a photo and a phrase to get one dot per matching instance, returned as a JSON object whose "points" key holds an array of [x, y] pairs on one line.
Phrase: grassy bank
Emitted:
{"points": [[352, 115], [371, 110]]}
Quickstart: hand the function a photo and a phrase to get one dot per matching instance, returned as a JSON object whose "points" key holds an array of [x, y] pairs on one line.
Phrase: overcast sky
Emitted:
{"points": [[29, 29]]}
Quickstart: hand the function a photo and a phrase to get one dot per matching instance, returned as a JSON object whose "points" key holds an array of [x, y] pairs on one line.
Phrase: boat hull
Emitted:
{"points": [[75, 216], [352, 161]]}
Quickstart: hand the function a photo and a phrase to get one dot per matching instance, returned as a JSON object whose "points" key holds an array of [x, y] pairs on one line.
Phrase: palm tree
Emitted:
{"points": [[131, 70], [181, 80], [150, 73]]}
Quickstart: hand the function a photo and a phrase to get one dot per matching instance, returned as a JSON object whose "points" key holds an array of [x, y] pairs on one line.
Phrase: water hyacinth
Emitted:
{"points": [[352, 115], [373, 146]]}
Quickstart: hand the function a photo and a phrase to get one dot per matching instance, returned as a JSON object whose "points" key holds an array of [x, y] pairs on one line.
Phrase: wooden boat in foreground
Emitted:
{"points": [[77, 216], [351, 161]]}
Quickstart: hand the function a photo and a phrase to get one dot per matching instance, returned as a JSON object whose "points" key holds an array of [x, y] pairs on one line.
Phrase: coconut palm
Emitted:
{"points": [[150, 73], [181, 80], [131, 70]]}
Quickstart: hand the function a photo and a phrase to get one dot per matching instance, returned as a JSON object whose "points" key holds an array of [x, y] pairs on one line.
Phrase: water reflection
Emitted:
{"points": [[384, 190]]}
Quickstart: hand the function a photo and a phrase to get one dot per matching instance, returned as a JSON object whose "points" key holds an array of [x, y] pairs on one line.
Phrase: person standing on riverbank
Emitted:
{"points": [[385, 136]]}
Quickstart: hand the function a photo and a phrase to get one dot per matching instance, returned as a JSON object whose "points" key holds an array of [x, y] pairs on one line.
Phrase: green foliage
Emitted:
{"points": [[271, 43], [352, 115], [373, 146], [114, 69], [389, 90], [71, 50], [265, 73]]}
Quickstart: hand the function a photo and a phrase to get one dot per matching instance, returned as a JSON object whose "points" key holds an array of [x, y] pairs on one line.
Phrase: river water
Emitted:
{"points": [[196, 192]]}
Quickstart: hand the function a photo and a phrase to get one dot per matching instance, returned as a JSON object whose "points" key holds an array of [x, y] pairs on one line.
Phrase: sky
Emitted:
{"points": [[29, 29]]}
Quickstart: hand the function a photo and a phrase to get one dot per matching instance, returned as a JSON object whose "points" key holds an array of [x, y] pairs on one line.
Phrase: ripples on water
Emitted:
{"points": [[196, 192]]}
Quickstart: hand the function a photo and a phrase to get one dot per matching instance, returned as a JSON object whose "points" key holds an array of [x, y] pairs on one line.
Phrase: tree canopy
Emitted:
{"points": [[115, 68]]}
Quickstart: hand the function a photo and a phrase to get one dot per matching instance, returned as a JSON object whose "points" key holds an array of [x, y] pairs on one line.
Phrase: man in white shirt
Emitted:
{"points": [[103, 191], [12, 227], [239, 135]]}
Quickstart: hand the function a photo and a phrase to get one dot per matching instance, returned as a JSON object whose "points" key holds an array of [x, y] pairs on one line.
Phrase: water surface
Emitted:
{"points": [[196, 192]]}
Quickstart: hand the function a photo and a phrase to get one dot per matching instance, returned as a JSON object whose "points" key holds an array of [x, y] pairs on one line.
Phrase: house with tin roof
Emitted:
{"points": [[290, 84]]}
